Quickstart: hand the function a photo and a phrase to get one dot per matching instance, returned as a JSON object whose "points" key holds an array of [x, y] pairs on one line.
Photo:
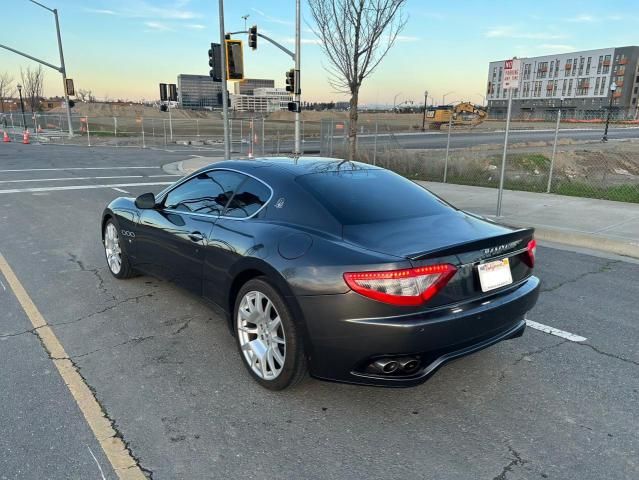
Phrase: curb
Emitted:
{"points": [[589, 241]]}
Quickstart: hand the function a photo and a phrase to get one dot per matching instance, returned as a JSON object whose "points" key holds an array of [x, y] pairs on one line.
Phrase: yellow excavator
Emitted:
{"points": [[464, 113]]}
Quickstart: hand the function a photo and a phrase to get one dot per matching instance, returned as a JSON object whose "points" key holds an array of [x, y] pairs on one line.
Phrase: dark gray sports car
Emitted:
{"points": [[342, 269]]}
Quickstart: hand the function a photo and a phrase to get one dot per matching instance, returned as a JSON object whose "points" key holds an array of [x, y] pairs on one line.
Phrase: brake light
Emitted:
{"points": [[531, 251], [406, 287]]}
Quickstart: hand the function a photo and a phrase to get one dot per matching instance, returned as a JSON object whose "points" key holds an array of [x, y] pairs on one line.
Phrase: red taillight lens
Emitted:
{"points": [[408, 287], [531, 251]]}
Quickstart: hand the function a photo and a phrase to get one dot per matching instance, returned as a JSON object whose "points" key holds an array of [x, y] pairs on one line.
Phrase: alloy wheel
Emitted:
{"points": [[261, 335], [112, 248]]}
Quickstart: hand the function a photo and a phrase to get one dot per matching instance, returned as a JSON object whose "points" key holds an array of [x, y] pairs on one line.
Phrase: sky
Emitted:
{"points": [[124, 48]]}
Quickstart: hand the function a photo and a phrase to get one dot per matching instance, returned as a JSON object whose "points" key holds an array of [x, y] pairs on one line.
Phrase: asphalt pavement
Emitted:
{"points": [[165, 370]]}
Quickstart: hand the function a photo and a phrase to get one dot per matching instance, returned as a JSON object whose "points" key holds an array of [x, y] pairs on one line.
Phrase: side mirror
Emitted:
{"points": [[145, 201]]}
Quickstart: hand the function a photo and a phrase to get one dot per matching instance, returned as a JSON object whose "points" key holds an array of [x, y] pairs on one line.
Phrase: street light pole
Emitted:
{"points": [[424, 116], [24, 120], [62, 68], [613, 87], [444, 97], [298, 91], [225, 100]]}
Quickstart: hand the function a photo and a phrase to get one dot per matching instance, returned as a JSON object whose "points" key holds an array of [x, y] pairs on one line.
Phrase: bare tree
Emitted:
{"points": [[356, 35], [86, 96], [32, 81], [6, 88]]}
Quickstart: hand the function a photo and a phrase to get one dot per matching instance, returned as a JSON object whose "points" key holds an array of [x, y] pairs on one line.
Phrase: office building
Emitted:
{"points": [[263, 100], [581, 79], [248, 85]]}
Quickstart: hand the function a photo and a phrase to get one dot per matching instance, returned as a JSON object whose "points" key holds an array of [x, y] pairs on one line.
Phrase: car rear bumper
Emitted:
{"points": [[343, 349]]}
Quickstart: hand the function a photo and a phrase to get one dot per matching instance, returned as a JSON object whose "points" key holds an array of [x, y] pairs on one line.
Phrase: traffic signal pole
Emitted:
{"points": [[297, 98], [225, 99]]}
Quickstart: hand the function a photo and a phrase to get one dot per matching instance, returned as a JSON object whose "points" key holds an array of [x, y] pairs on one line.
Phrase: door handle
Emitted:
{"points": [[196, 236]]}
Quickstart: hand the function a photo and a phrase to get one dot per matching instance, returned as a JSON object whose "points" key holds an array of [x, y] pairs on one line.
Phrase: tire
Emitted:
{"points": [[257, 330], [114, 252]]}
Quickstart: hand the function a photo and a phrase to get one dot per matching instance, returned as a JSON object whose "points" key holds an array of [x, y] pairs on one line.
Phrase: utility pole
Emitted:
{"points": [[225, 99], [298, 91], [63, 70], [424, 117]]}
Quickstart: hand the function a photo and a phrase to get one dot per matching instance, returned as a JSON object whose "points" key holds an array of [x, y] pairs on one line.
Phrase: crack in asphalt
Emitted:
{"points": [[183, 327], [606, 354], [606, 267], [95, 271], [134, 340], [514, 462], [105, 309], [538, 351]]}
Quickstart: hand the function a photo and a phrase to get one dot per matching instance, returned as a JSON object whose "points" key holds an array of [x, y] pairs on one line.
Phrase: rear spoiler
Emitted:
{"points": [[492, 246]]}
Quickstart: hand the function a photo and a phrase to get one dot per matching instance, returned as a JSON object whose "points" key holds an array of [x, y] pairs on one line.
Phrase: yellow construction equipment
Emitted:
{"points": [[464, 113]]}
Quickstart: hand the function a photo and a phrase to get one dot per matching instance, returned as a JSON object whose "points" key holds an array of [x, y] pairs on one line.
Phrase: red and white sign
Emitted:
{"points": [[511, 74]]}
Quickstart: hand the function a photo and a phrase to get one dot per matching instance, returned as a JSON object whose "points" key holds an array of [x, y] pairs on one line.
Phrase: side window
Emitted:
{"points": [[249, 198], [207, 193]]}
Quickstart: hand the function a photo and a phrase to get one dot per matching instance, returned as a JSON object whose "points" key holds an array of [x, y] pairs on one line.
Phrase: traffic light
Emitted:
{"points": [[290, 80], [253, 37], [214, 62], [163, 92], [294, 107], [172, 92], [163, 108], [234, 60], [71, 104]]}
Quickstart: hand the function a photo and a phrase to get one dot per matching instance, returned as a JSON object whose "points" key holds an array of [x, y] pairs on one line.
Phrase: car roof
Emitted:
{"points": [[294, 166]]}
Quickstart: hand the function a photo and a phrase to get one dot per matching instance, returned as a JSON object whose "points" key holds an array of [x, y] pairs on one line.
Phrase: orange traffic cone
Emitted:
{"points": [[6, 138], [25, 137]]}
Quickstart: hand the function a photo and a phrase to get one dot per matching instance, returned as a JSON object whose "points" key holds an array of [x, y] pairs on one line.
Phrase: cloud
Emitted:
{"points": [[174, 10], [196, 26], [160, 27], [272, 19], [518, 32], [583, 18]]}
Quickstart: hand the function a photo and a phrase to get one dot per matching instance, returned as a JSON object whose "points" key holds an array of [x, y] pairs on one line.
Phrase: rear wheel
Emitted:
{"points": [[268, 338], [117, 260]]}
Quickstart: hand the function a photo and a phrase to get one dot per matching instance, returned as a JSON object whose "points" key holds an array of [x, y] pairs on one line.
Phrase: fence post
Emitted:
{"points": [[241, 134], [554, 148], [262, 136], [164, 125], [143, 141], [450, 125], [375, 144], [330, 139], [197, 126], [88, 132], [278, 141], [115, 131]]}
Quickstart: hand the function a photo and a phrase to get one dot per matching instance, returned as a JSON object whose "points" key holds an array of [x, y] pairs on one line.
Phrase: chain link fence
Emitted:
{"points": [[580, 164]]}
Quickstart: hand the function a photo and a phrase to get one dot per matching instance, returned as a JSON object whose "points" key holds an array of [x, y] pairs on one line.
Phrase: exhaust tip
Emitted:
{"points": [[386, 366], [410, 366]]}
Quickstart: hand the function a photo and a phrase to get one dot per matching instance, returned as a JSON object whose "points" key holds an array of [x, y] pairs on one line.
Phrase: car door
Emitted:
{"points": [[171, 239], [234, 235]]}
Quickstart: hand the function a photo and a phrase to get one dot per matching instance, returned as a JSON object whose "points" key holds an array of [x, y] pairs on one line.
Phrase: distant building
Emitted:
{"points": [[582, 79], [263, 100], [199, 92], [248, 85]]}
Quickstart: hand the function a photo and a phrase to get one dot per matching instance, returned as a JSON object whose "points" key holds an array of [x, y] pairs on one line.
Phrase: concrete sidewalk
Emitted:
{"points": [[584, 222], [604, 225]]}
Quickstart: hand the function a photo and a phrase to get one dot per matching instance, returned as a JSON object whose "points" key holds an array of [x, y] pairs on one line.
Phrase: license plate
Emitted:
{"points": [[495, 274]]}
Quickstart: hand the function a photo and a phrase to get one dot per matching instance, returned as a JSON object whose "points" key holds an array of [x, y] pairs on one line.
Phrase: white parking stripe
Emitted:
{"points": [[554, 331], [63, 179], [81, 187], [121, 190], [73, 168]]}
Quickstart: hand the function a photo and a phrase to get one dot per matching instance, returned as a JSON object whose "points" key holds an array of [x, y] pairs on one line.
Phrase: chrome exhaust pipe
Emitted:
{"points": [[409, 365], [386, 366]]}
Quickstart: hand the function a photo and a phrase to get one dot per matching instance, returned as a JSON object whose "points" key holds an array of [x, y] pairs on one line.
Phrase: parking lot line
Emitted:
{"points": [[82, 187], [63, 179], [114, 448], [555, 331]]}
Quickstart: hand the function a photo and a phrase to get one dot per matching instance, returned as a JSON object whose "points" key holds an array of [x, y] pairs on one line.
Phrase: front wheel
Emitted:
{"points": [[268, 338], [117, 259]]}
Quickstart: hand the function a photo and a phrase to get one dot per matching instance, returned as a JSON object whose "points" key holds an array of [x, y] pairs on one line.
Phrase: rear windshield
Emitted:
{"points": [[370, 196]]}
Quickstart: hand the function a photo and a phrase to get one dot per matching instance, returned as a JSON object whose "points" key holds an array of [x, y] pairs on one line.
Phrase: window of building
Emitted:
{"points": [[600, 64], [527, 71], [606, 65], [588, 66], [557, 68], [570, 87], [563, 88], [602, 90], [597, 86], [582, 60], [568, 66], [542, 69], [555, 84], [500, 73]]}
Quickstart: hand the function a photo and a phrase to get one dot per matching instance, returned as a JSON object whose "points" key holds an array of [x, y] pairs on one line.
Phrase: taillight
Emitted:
{"points": [[531, 251], [408, 287]]}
